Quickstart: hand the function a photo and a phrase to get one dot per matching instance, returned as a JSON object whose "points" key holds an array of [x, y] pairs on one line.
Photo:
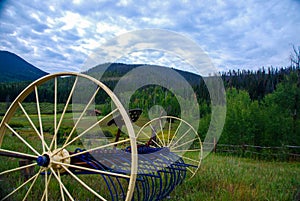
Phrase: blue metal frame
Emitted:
{"points": [[159, 172]]}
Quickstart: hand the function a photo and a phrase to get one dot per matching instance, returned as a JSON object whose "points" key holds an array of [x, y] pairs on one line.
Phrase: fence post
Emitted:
{"points": [[215, 145], [27, 172]]}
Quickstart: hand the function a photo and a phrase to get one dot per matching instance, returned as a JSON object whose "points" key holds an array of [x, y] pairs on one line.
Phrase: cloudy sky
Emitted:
{"points": [[60, 35]]}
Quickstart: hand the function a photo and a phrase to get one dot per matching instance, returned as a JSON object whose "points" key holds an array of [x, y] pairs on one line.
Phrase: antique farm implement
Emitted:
{"points": [[55, 150]]}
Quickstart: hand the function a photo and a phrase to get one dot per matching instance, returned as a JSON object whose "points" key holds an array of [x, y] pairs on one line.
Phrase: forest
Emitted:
{"points": [[263, 106]]}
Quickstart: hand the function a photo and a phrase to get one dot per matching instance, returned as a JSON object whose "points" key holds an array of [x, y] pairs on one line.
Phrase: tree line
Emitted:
{"points": [[262, 106]]}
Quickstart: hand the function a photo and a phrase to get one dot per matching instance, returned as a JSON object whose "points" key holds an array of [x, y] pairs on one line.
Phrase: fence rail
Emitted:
{"points": [[285, 152]]}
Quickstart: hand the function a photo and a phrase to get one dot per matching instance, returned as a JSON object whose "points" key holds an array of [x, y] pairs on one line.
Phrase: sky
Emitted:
{"points": [[60, 35]]}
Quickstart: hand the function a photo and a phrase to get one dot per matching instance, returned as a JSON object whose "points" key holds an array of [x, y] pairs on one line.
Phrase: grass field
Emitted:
{"points": [[234, 178], [219, 177]]}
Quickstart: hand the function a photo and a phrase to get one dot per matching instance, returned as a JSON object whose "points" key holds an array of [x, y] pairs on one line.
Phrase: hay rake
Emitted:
{"points": [[64, 155]]}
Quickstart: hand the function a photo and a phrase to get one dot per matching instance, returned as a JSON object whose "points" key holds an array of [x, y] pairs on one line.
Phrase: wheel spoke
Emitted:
{"points": [[151, 138], [18, 168], [84, 184], [174, 134], [33, 126], [189, 169], [86, 131], [47, 182], [96, 148], [16, 154], [187, 150], [32, 184], [64, 112], [156, 134], [162, 132], [169, 131], [172, 148], [22, 139], [61, 189], [40, 117], [93, 170], [26, 182], [81, 115], [55, 110], [62, 185], [181, 137], [190, 159]]}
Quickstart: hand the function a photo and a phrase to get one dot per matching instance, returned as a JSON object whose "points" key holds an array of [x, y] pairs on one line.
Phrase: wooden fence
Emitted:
{"points": [[284, 152]]}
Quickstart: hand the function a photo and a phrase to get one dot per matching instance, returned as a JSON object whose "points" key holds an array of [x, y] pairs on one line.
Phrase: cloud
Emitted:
{"points": [[235, 34]]}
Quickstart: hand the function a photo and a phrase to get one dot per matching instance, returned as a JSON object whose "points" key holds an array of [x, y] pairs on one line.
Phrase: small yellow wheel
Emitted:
{"points": [[178, 136]]}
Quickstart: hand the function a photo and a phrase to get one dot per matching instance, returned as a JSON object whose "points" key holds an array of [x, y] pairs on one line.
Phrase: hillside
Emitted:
{"points": [[15, 69], [115, 71]]}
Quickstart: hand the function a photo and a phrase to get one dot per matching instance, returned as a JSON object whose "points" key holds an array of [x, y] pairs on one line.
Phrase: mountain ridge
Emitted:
{"points": [[13, 68]]}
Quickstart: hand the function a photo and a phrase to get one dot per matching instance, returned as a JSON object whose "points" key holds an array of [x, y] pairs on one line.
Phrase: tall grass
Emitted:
{"points": [[234, 178]]}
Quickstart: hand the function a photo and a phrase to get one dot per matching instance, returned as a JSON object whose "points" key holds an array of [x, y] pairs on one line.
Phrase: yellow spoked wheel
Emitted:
{"points": [[49, 147], [175, 135]]}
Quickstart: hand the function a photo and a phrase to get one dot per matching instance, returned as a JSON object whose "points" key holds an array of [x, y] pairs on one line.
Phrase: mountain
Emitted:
{"points": [[114, 71], [15, 69]]}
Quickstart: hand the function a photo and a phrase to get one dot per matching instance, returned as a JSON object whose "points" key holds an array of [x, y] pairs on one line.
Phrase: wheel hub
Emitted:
{"points": [[48, 159]]}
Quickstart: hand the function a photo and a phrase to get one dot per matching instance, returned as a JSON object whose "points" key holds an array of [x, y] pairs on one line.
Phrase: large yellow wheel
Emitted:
{"points": [[38, 138]]}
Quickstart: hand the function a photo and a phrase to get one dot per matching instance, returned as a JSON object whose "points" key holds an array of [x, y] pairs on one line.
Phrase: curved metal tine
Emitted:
{"points": [[181, 172], [160, 186], [107, 185], [103, 176], [98, 165], [178, 178], [84, 132], [21, 186], [121, 188], [175, 134], [174, 180], [168, 174], [82, 114], [158, 179], [143, 181], [22, 139], [137, 192], [169, 180], [44, 144], [84, 184], [149, 187], [144, 188], [62, 185], [164, 184], [64, 112], [114, 188], [153, 190], [39, 117]]}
